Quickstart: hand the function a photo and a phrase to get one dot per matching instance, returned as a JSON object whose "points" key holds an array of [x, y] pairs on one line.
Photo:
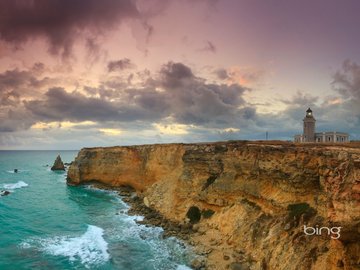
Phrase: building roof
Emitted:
{"points": [[331, 133]]}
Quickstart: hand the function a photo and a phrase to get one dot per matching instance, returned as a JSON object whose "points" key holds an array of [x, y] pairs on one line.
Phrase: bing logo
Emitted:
{"points": [[334, 232]]}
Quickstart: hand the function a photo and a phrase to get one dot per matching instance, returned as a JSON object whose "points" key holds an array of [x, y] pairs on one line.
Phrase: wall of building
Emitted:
{"points": [[332, 137]]}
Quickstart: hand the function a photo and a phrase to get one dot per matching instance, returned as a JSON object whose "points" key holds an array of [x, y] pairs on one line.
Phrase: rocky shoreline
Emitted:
{"points": [[152, 218]]}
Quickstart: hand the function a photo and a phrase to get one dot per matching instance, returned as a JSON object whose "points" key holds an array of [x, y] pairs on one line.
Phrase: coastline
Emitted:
{"points": [[186, 232], [240, 205], [209, 252]]}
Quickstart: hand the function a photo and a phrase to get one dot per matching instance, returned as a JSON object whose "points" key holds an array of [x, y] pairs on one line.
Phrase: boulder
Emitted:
{"points": [[4, 192], [58, 164], [146, 202]]}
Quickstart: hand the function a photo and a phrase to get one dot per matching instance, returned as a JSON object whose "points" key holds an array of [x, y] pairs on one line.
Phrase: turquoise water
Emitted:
{"points": [[45, 224]]}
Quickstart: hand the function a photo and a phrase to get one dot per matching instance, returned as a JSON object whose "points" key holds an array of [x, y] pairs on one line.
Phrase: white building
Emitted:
{"points": [[309, 134]]}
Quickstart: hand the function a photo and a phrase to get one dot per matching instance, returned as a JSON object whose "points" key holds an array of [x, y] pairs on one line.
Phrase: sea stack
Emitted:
{"points": [[58, 164]]}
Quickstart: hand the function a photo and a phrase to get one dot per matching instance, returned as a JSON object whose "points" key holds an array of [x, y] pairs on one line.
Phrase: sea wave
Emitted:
{"points": [[166, 253], [19, 171], [90, 248], [182, 267], [17, 185]]}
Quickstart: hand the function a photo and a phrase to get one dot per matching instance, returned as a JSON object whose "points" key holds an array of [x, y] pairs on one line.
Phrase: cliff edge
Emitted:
{"points": [[248, 201]]}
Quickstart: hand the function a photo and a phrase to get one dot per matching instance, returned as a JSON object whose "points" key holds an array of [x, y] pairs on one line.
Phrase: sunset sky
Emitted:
{"points": [[81, 73]]}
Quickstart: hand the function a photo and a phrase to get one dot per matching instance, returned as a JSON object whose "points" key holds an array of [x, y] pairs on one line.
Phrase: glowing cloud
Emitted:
{"points": [[111, 131], [65, 124], [172, 129]]}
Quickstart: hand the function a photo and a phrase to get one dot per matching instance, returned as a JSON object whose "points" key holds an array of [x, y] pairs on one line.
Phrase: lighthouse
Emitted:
{"points": [[309, 134], [309, 126]]}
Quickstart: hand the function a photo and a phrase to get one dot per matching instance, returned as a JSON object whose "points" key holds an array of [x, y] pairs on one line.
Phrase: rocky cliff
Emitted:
{"points": [[248, 201]]}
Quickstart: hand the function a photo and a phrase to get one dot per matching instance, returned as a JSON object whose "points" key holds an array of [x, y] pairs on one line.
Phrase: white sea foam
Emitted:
{"points": [[25, 245], [90, 248], [19, 171], [183, 267], [17, 185], [130, 219], [167, 253]]}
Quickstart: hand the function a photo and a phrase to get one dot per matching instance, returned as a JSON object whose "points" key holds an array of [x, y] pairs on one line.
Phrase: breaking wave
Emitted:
{"points": [[89, 248], [17, 185]]}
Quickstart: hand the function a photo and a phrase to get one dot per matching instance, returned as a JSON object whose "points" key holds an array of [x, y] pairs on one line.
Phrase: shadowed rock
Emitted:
{"points": [[4, 192], [58, 164]]}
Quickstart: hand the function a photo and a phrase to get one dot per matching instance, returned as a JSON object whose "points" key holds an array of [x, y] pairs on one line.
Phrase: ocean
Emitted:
{"points": [[45, 224]]}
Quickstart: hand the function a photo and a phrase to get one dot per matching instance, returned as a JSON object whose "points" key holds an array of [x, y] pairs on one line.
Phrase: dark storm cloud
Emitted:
{"points": [[193, 101], [60, 21], [122, 64], [93, 50], [59, 105], [183, 97], [236, 74], [347, 80], [15, 119], [174, 75], [347, 83], [176, 95], [14, 85], [301, 99], [12, 79], [222, 74], [10, 98], [24, 81], [38, 68]]}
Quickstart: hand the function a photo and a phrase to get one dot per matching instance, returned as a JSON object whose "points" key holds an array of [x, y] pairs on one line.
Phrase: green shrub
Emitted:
{"points": [[207, 213]]}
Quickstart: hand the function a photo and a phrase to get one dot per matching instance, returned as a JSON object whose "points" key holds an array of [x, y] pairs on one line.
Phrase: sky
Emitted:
{"points": [[85, 73]]}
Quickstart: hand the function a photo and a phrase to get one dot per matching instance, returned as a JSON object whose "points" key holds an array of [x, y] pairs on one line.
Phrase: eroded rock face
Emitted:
{"points": [[58, 164], [260, 196]]}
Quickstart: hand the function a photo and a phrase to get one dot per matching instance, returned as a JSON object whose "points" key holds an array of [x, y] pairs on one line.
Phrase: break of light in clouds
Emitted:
{"points": [[115, 72]]}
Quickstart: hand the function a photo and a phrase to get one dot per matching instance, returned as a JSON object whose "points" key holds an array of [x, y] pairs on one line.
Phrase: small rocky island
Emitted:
{"points": [[58, 164], [4, 192]]}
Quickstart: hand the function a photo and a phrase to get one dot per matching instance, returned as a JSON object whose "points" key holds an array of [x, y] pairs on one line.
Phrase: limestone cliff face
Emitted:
{"points": [[252, 199]]}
